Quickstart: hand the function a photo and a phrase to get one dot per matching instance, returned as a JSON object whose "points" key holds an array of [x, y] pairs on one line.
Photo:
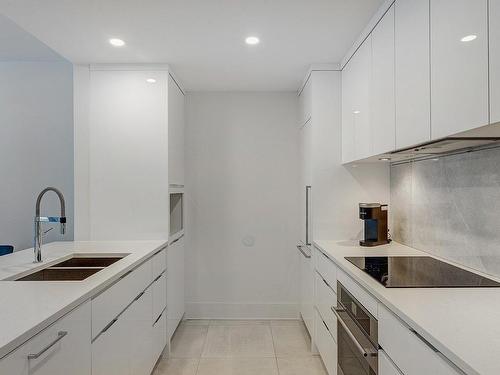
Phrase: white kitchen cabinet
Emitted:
{"points": [[305, 184], [412, 72], [459, 69], [126, 347], [385, 365], [305, 103], [383, 127], [494, 18], [326, 343], [356, 104], [175, 285], [128, 155], [159, 335], [307, 288], [68, 348], [159, 290], [407, 350], [175, 133]]}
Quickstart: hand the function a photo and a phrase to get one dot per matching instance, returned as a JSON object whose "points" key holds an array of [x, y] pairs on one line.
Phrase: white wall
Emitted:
{"points": [[241, 206], [36, 145]]}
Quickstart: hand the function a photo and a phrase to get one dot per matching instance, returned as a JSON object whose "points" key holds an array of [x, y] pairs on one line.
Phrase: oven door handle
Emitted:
{"points": [[364, 352]]}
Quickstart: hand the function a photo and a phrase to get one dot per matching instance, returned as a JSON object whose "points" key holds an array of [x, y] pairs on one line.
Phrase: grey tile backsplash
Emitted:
{"points": [[450, 207]]}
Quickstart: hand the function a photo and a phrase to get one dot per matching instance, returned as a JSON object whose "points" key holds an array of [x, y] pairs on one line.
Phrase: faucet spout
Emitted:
{"points": [[50, 219]]}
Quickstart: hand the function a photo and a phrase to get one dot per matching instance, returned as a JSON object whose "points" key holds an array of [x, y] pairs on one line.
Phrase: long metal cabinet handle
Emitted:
{"points": [[362, 350], [303, 252], [60, 336], [308, 189]]}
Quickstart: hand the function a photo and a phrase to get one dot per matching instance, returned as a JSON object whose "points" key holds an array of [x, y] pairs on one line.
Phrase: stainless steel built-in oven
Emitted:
{"points": [[357, 336]]}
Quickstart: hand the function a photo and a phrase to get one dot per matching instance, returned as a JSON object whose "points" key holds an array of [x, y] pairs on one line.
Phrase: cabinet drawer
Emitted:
{"points": [[159, 288], [327, 347], [159, 335], [365, 298], [385, 365], [325, 299], [159, 263], [62, 348], [107, 305], [409, 352], [326, 268]]}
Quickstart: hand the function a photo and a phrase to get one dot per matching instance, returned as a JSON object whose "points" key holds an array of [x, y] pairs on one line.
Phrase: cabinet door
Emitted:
{"points": [[175, 133], [459, 66], [140, 330], [385, 365], [356, 104], [305, 139], [175, 285], [383, 110], [494, 61], [307, 290], [69, 352], [412, 73]]}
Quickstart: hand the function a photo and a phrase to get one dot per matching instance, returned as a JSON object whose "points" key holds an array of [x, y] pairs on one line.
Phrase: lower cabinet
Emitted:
{"points": [[326, 344], [61, 349], [159, 334], [175, 285], [385, 365], [307, 289]]}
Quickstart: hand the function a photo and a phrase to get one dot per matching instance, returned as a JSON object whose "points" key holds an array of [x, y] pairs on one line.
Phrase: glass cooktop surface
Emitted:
{"points": [[419, 272]]}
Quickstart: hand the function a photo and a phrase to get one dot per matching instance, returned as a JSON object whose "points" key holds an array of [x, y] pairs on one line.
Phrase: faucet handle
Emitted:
{"points": [[47, 231]]}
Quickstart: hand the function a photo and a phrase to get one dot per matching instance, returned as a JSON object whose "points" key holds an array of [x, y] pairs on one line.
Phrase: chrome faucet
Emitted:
{"points": [[47, 219]]}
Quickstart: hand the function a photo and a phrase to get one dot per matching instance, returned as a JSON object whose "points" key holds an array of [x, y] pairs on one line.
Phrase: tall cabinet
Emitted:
{"points": [[129, 160], [330, 192]]}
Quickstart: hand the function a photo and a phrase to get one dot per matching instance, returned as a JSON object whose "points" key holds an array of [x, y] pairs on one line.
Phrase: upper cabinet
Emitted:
{"points": [[412, 73], [175, 133], [383, 132], [305, 103], [356, 104], [494, 61], [459, 65]]}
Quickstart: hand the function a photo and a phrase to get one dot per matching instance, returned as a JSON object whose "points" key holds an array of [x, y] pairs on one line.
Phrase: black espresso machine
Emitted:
{"points": [[374, 216]]}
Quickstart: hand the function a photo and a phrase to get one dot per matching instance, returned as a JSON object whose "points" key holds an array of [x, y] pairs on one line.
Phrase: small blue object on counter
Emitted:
{"points": [[6, 249]]}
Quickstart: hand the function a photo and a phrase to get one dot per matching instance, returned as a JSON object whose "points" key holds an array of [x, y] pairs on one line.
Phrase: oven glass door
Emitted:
{"points": [[350, 360]]}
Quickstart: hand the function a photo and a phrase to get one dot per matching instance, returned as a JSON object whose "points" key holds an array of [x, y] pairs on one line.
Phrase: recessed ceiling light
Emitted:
{"points": [[252, 40], [468, 38], [151, 80], [356, 112], [116, 42], [384, 159]]}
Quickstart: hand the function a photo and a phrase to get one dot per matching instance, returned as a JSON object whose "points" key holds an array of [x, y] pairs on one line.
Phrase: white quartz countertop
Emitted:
{"points": [[462, 323], [27, 307]]}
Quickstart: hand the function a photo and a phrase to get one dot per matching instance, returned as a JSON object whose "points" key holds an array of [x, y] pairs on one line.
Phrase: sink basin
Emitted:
{"points": [[80, 261], [76, 268], [61, 274]]}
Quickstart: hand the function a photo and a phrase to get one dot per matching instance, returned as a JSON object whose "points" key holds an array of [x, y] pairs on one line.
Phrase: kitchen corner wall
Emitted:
{"points": [[450, 207], [241, 205]]}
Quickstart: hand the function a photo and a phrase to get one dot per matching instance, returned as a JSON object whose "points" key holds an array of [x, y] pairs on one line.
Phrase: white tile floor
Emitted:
{"points": [[241, 347]]}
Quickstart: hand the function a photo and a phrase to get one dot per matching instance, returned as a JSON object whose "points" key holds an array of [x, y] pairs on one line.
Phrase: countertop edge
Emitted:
{"points": [[27, 335], [458, 362]]}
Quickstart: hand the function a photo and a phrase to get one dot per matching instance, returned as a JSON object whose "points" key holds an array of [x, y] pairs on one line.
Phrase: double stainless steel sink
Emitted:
{"points": [[76, 268]]}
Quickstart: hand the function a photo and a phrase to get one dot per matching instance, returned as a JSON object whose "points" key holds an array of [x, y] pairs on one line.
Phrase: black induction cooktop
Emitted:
{"points": [[419, 272]]}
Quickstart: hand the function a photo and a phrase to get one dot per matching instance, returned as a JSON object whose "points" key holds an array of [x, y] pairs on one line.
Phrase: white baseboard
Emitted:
{"points": [[264, 311]]}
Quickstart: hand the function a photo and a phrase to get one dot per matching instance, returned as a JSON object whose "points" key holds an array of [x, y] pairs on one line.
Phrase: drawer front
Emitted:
{"points": [[67, 344], [409, 352], [385, 365], [159, 288], [159, 263], [327, 347], [326, 268], [326, 298], [365, 298], [107, 305], [159, 335]]}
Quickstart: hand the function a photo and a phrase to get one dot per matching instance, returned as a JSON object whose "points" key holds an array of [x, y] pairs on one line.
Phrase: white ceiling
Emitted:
{"points": [[17, 44], [202, 40]]}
